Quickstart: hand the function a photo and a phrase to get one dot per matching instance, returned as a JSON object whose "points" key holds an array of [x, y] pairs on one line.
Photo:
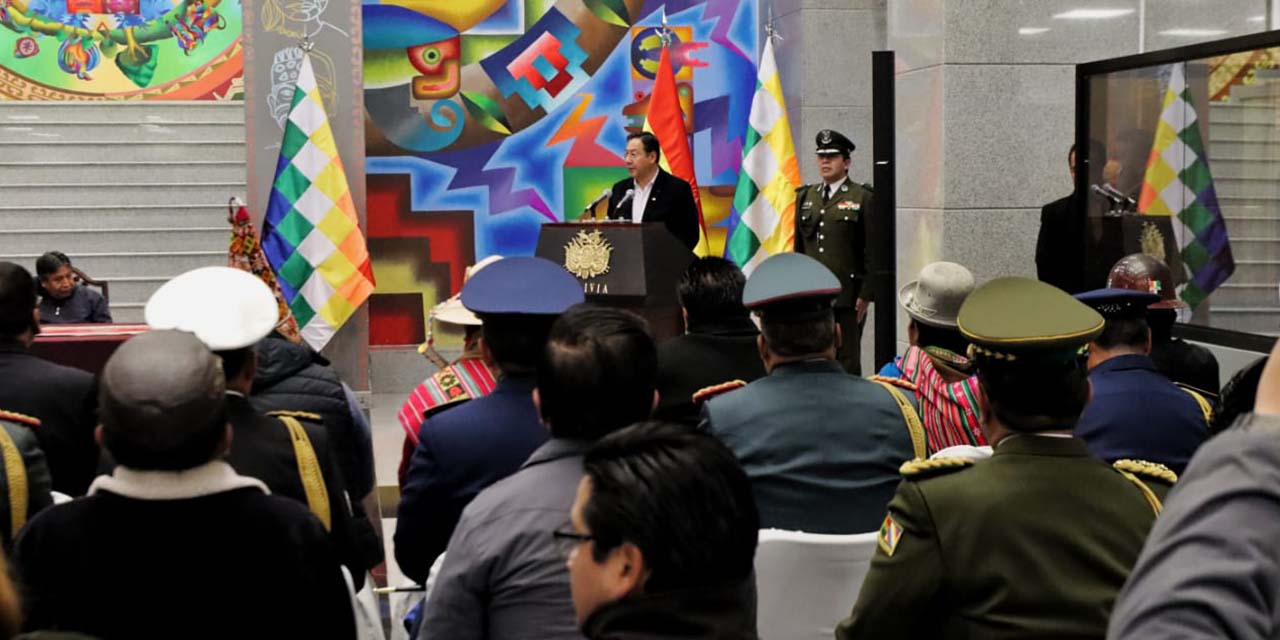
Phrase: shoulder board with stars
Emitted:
{"points": [[304, 415], [1147, 470], [917, 469], [897, 382], [19, 418], [706, 393]]}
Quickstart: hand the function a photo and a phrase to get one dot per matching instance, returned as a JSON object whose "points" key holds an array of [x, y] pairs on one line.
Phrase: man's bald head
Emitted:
{"points": [[161, 402]]}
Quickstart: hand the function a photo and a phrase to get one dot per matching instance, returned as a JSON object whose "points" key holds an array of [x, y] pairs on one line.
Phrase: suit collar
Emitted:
{"points": [[739, 326], [556, 449], [207, 479], [13, 347], [1033, 445]]}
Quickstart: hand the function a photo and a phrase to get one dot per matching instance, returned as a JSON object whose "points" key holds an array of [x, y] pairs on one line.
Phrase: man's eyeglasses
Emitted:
{"points": [[567, 539]]}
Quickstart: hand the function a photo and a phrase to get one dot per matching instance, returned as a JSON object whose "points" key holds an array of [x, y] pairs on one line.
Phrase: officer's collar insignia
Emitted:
{"points": [[890, 536], [844, 188], [826, 137]]}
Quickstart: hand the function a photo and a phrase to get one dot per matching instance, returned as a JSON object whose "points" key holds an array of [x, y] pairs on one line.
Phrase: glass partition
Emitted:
{"points": [[1178, 155]]}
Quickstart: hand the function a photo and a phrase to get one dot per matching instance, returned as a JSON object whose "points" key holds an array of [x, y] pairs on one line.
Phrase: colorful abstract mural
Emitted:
{"points": [[120, 49], [485, 119]]}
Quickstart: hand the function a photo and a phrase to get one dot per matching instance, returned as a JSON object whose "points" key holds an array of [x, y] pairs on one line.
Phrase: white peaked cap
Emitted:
{"points": [[225, 308]]}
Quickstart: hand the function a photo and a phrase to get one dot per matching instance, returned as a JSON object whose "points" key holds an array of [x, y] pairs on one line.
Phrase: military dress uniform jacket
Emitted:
{"points": [[836, 234], [1138, 413], [1035, 541], [28, 469], [821, 447], [461, 452], [261, 448]]}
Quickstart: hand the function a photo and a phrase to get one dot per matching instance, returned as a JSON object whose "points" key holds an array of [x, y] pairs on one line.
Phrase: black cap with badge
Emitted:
{"points": [[832, 142]]}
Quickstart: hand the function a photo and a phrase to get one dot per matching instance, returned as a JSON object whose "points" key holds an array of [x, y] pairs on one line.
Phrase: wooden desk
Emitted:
{"points": [[83, 346]]}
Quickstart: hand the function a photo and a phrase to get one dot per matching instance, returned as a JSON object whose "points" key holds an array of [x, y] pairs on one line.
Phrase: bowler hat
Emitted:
{"points": [[936, 296]]}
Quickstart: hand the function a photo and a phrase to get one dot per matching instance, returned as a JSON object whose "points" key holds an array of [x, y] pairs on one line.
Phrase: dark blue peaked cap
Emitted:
{"points": [[790, 278], [532, 286], [1118, 303]]}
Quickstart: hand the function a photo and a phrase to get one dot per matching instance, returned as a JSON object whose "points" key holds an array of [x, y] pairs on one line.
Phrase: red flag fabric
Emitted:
{"points": [[666, 121]]}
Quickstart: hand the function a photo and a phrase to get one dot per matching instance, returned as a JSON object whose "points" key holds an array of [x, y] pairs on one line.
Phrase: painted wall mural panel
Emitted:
{"points": [[120, 49], [486, 119]]}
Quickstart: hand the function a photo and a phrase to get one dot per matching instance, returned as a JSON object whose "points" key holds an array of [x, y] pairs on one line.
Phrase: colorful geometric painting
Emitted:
{"points": [[120, 49], [485, 119]]}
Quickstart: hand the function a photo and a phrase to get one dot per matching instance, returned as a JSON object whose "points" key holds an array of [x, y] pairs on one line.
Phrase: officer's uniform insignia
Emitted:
{"points": [[890, 535], [917, 469], [302, 415], [806, 205], [706, 393], [897, 382], [19, 418], [844, 188], [1147, 469]]}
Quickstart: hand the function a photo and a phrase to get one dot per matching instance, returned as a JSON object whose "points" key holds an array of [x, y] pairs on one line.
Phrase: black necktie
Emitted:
{"points": [[826, 193]]}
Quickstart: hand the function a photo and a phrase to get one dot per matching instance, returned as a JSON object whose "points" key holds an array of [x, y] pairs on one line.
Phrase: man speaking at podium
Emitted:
{"points": [[653, 195]]}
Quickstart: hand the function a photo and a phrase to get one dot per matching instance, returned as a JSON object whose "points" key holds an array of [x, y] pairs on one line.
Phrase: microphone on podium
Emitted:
{"points": [[604, 195], [625, 197]]}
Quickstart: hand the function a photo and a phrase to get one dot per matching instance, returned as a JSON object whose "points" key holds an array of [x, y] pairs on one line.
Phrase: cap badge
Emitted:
{"points": [[825, 136], [587, 255]]}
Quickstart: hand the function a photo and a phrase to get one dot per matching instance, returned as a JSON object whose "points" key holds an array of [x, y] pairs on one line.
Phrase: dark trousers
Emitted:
{"points": [[850, 353]]}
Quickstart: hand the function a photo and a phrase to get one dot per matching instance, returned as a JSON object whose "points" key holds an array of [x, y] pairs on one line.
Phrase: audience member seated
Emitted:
{"points": [[663, 537], [936, 361], [822, 447], [1035, 541], [230, 311], [719, 344], [25, 484], [467, 378], [64, 300], [503, 576], [174, 543], [1209, 569], [464, 450], [1135, 411], [1238, 396], [293, 377], [61, 398], [1186, 364]]}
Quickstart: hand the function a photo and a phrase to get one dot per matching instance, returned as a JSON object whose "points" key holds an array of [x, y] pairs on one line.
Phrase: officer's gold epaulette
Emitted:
{"points": [[915, 469], [706, 393], [19, 418], [304, 415], [1147, 469], [897, 382]]}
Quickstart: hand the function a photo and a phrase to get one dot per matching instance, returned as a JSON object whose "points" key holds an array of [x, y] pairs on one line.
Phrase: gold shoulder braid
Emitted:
{"points": [[914, 426], [1202, 402], [20, 418], [897, 382], [706, 393], [1149, 469], [308, 469], [933, 467], [1147, 493], [15, 474], [305, 415]]}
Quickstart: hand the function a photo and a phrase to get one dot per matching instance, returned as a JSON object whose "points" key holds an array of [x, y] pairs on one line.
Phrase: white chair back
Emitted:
{"points": [[365, 608], [806, 583]]}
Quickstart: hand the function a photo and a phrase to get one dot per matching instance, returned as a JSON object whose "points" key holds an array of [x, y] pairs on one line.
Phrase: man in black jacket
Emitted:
{"points": [[653, 195], [1060, 245], [719, 344], [63, 399]]}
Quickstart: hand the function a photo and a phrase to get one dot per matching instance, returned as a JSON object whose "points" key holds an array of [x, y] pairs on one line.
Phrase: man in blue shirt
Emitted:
{"points": [[1136, 412]]}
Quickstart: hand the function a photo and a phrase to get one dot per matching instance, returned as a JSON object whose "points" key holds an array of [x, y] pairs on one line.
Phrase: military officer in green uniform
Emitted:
{"points": [[1035, 541], [832, 226]]}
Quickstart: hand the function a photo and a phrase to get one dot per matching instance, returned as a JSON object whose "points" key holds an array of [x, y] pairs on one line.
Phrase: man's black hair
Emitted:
{"points": [[597, 372], [1127, 331], [1033, 394], [681, 497], [948, 338], [649, 142], [710, 290], [516, 341], [797, 333], [235, 360], [17, 301], [49, 263]]}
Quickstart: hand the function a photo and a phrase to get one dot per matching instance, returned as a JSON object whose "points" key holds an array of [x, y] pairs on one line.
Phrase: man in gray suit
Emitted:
{"points": [[1209, 568], [822, 447]]}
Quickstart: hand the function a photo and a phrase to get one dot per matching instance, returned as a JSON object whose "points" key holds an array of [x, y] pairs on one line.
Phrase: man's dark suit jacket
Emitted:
{"points": [[670, 202], [1060, 247], [65, 400], [709, 354]]}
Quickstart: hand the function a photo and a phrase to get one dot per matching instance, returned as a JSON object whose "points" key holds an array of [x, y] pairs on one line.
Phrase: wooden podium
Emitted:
{"points": [[621, 264]]}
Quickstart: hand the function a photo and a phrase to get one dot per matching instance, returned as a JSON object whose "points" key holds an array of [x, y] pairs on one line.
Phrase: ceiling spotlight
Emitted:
{"points": [[1092, 14], [1032, 31], [1193, 33], [1258, 19]]}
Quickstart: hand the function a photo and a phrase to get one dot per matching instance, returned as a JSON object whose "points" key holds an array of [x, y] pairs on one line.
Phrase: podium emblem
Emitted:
{"points": [[1152, 241], [587, 255]]}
